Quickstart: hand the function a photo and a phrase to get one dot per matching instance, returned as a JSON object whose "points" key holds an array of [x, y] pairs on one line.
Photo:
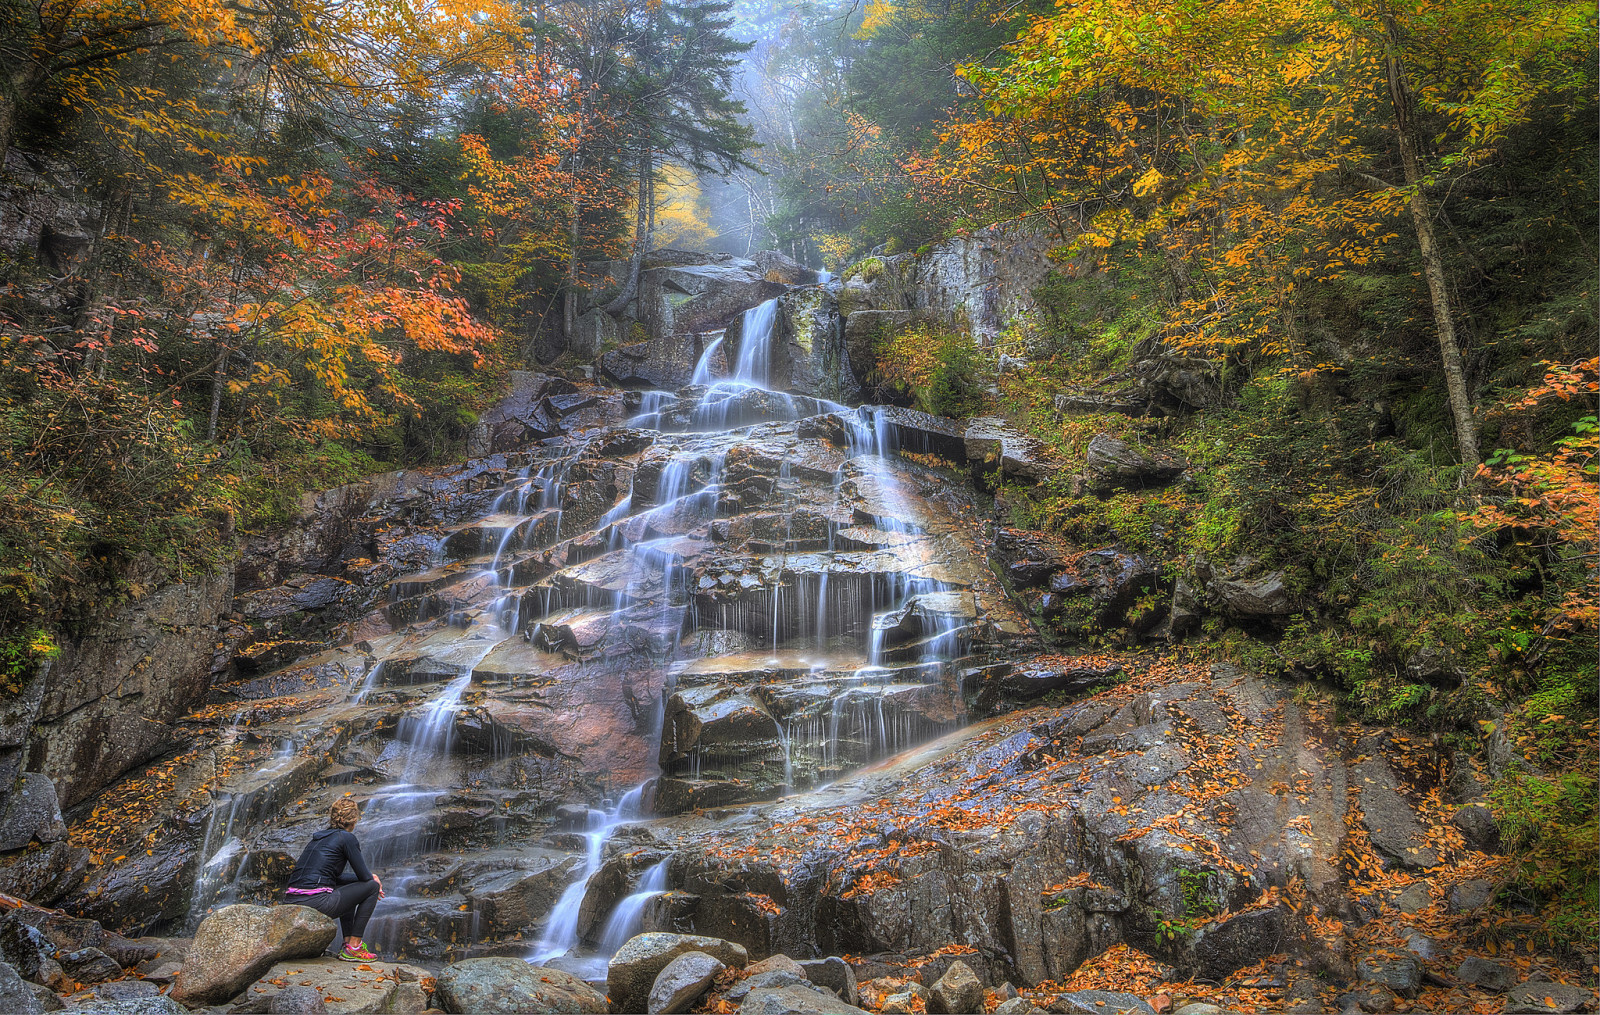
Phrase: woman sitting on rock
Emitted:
{"points": [[319, 881]]}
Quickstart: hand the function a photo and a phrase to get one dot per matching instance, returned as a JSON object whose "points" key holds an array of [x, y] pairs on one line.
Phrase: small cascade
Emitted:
{"points": [[429, 734], [223, 851], [623, 923], [704, 367], [561, 929]]}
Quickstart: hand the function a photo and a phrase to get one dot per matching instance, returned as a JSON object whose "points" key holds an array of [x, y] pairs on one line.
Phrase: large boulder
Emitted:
{"points": [[236, 944], [506, 985], [684, 980], [32, 812], [633, 970]]}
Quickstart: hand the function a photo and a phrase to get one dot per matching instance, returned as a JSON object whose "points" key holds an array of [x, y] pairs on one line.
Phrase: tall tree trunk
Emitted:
{"points": [[219, 380], [630, 288], [569, 303], [1455, 376]]}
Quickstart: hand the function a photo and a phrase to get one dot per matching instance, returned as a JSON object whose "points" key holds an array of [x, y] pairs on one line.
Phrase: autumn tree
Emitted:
{"points": [[1222, 134]]}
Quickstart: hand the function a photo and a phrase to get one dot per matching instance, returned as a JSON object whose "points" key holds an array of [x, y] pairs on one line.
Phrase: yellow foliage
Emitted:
{"points": [[680, 210]]}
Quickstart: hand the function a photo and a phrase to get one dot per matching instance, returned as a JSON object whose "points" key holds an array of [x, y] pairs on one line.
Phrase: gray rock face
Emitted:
{"points": [[815, 361], [980, 281], [682, 982], [957, 992], [507, 985], [794, 1000], [113, 694], [1486, 973], [31, 813], [1391, 821], [15, 995], [633, 970], [235, 945]]}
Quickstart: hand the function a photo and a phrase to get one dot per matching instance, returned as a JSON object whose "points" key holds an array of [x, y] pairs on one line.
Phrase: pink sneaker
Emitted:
{"points": [[357, 954]]}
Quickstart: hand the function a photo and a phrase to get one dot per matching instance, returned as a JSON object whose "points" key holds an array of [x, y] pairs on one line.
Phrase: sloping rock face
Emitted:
{"points": [[1048, 836], [108, 702]]}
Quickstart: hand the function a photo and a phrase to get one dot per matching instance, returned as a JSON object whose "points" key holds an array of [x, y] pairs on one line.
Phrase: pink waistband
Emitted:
{"points": [[306, 891]]}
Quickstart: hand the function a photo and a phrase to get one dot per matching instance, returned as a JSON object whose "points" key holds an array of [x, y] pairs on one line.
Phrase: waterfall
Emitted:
{"points": [[755, 344]]}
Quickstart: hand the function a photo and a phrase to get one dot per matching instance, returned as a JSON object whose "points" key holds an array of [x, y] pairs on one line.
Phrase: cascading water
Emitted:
{"points": [[561, 928]]}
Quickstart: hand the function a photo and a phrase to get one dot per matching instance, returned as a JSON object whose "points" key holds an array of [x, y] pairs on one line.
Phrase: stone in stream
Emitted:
{"points": [[236, 944], [682, 983], [633, 970], [492, 986]]}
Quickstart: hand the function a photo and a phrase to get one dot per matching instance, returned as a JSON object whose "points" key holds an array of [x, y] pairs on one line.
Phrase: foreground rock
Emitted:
{"points": [[636, 965], [235, 945], [682, 983], [339, 988], [494, 985], [957, 992], [795, 999]]}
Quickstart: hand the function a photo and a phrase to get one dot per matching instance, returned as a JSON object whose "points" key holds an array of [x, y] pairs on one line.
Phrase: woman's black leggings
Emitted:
{"points": [[350, 904]]}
